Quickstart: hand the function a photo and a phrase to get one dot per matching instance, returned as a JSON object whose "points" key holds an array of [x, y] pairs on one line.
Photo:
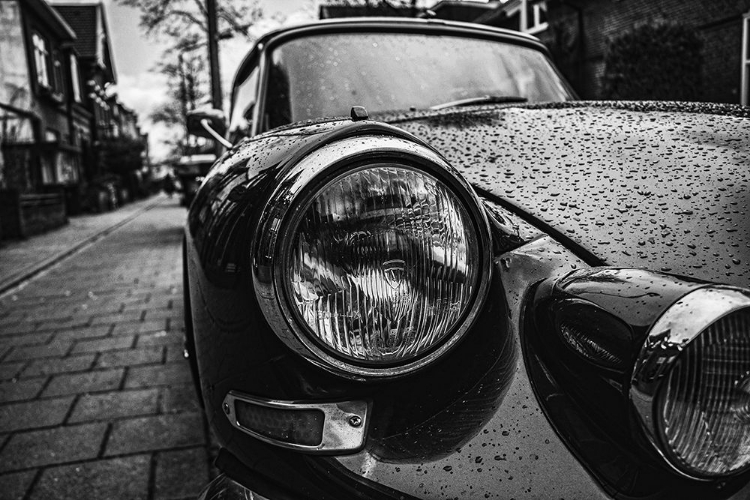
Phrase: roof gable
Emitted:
{"points": [[89, 22]]}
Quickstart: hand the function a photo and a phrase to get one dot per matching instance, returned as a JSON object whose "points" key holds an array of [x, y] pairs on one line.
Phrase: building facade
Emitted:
{"points": [[55, 113], [578, 32]]}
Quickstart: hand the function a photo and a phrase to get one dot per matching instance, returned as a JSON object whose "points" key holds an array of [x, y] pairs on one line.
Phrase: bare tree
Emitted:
{"points": [[183, 23]]}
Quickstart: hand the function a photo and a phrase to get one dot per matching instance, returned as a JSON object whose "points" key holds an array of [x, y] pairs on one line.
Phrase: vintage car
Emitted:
{"points": [[423, 270]]}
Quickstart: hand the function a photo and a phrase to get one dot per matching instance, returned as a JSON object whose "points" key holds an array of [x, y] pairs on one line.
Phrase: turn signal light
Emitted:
{"points": [[337, 427], [303, 427]]}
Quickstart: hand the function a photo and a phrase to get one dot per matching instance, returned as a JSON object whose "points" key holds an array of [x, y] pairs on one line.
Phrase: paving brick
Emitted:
{"points": [[140, 327], [51, 350], [27, 339], [117, 317], [83, 333], [14, 486], [122, 478], [20, 390], [177, 325], [79, 383], [58, 324], [131, 357], [159, 432], [154, 314], [180, 474], [158, 375], [160, 338], [103, 345], [58, 365], [158, 302], [34, 414], [9, 370], [18, 328], [180, 399], [175, 353], [114, 405], [52, 446]]}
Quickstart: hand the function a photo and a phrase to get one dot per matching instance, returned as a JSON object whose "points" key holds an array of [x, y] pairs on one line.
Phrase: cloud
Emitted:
{"points": [[143, 93]]}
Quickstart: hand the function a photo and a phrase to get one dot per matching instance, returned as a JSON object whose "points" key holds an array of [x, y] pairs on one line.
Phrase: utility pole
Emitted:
{"points": [[213, 55], [213, 58], [183, 102]]}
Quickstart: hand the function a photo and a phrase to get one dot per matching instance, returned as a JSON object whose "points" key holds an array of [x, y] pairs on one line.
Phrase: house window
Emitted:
{"points": [[57, 73], [41, 60], [75, 78], [745, 83]]}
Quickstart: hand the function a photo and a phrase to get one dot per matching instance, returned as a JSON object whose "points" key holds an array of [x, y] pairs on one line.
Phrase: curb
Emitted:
{"points": [[38, 267]]}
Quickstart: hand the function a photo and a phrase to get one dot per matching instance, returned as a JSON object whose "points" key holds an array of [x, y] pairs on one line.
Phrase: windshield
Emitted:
{"points": [[325, 75]]}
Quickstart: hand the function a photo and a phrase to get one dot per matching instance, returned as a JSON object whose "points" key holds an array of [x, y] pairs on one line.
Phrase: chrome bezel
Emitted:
{"points": [[679, 325], [344, 423], [275, 231]]}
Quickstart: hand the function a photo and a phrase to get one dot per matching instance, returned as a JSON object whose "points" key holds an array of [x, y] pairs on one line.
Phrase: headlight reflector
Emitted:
{"points": [[383, 263]]}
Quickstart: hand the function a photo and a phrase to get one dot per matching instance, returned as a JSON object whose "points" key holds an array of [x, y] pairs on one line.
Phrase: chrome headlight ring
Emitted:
{"points": [[278, 224], [691, 384]]}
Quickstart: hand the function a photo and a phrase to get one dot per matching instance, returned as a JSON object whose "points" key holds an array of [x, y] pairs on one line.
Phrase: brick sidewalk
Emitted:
{"points": [[21, 259], [96, 400]]}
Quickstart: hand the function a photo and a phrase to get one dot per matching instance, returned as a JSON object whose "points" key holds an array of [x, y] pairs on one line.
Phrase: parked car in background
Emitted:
{"points": [[423, 270], [190, 170]]}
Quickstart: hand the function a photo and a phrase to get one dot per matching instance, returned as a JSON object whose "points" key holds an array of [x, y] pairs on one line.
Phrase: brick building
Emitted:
{"points": [[577, 33], [42, 119], [56, 114]]}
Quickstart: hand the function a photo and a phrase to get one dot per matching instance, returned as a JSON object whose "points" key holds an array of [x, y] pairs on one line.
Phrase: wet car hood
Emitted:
{"points": [[657, 185]]}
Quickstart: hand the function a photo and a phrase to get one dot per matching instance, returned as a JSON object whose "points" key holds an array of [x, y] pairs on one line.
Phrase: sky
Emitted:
{"points": [[141, 88]]}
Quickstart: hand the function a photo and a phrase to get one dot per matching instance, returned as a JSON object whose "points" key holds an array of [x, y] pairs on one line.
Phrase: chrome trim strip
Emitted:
{"points": [[680, 324], [344, 426], [282, 206]]}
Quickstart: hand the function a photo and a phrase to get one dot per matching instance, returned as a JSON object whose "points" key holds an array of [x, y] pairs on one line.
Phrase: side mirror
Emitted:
{"points": [[208, 123]]}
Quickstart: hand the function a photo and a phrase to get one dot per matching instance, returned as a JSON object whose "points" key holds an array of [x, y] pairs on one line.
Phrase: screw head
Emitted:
{"points": [[226, 408], [355, 420]]}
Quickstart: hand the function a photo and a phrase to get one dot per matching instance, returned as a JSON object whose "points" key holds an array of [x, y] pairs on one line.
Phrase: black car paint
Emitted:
{"points": [[615, 308], [659, 185], [424, 426]]}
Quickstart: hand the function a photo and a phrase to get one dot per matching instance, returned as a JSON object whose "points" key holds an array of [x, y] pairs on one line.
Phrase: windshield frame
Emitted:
{"points": [[265, 46]]}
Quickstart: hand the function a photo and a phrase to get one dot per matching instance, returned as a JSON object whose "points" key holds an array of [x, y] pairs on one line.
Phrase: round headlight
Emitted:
{"points": [[704, 405], [373, 257], [691, 385], [383, 264]]}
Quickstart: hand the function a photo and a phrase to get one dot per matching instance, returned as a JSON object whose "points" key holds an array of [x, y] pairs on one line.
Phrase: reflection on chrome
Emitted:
{"points": [[383, 264]]}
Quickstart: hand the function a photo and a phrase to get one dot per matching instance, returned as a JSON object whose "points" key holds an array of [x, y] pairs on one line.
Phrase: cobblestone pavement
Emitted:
{"points": [[96, 400]]}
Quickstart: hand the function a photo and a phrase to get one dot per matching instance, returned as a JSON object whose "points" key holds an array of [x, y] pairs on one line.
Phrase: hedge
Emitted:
{"points": [[659, 60]]}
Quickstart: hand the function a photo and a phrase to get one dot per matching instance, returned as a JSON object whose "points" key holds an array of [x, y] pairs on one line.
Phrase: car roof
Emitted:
{"points": [[395, 22], [360, 24]]}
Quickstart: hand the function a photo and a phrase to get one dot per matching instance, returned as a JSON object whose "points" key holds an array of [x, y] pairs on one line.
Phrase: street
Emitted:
{"points": [[96, 400]]}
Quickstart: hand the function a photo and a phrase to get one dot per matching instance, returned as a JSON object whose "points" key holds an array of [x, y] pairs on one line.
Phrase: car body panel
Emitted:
{"points": [[515, 453], [660, 186]]}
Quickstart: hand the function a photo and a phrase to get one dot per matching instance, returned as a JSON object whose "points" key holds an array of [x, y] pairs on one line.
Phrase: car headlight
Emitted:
{"points": [[691, 384], [373, 257]]}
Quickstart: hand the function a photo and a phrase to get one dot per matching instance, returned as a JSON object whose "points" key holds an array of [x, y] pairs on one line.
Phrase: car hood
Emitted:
{"points": [[658, 185]]}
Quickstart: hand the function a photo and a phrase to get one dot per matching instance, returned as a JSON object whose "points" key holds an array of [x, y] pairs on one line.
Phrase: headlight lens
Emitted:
{"points": [[383, 263], [705, 403]]}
